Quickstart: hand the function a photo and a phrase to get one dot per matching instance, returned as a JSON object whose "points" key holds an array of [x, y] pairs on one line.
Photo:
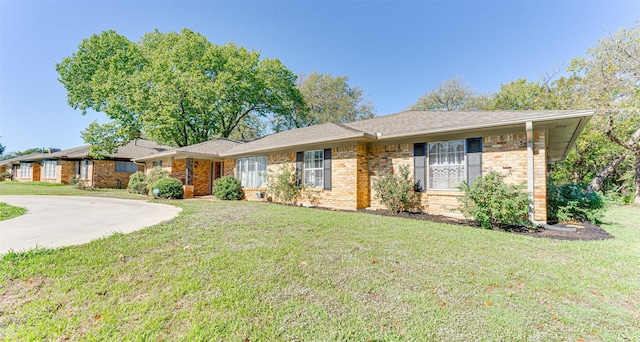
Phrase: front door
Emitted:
{"points": [[217, 173]]}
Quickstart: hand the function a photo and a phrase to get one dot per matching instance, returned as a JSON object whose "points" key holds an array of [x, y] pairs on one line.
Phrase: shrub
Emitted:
{"points": [[227, 188], [396, 192], [137, 184], [5, 175], [153, 175], [81, 184], [573, 202], [284, 184], [492, 203], [168, 188]]}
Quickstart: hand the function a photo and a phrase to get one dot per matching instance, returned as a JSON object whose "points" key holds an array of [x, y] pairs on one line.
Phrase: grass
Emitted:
{"points": [[254, 271], [9, 211], [42, 188]]}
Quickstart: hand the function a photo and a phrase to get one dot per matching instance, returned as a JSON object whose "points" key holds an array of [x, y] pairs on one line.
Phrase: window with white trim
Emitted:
{"points": [[123, 166], [156, 163], [447, 166], [252, 171], [313, 168], [25, 170], [84, 169], [49, 168]]}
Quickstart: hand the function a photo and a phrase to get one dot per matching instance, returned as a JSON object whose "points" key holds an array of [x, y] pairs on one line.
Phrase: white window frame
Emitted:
{"points": [[313, 166], [450, 163], [25, 170], [156, 163], [252, 171], [127, 166], [49, 169], [83, 168]]}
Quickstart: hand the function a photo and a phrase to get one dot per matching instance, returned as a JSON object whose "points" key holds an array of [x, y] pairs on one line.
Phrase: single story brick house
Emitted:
{"points": [[113, 171], [339, 162]]}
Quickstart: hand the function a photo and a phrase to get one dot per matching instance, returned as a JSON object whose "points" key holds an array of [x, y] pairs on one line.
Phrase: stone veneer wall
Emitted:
{"points": [[105, 175]]}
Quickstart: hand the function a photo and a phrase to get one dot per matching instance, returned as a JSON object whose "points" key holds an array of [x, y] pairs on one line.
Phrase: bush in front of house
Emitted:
{"points": [[167, 188], [396, 192], [80, 184], [5, 175], [140, 183], [493, 203], [283, 184], [572, 202], [227, 188], [137, 183]]}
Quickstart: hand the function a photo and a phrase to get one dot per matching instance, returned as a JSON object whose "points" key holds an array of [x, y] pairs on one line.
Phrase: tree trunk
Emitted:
{"points": [[597, 184]]}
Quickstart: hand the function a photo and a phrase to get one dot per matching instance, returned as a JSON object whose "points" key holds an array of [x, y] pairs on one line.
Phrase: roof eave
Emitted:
{"points": [[356, 137], [587, 114]]}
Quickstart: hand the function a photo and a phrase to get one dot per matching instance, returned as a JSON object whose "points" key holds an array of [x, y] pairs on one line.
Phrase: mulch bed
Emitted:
{"points": [[584, 230]]}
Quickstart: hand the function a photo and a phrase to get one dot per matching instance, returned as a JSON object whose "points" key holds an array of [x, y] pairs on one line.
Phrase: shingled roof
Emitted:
{"points": [[208, 149], [411, 123], [328, 132], [18, 159], [137, 148], [422, 123]]}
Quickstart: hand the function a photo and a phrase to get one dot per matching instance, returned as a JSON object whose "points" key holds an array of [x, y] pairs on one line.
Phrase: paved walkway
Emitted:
{"points": [[54, 221]]}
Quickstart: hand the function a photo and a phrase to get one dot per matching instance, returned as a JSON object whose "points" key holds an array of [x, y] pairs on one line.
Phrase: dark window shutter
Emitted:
{"points": [[474, 159], [299, 161], [419, 162], [327, 169]]}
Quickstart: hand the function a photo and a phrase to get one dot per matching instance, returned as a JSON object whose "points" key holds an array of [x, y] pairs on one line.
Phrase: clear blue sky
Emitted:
{"points": [[394, 51]]}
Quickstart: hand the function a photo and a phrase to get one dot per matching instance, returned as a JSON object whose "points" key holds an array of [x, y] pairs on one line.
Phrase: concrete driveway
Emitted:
{"points": [[54, 221]]}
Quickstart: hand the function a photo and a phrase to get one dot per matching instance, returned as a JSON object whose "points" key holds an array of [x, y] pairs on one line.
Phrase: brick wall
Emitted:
{"points": [[387, 158], [506, 154], [105, 175], [202, 177]]}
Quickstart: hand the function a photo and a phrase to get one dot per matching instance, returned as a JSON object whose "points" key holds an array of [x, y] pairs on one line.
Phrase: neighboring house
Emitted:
{"points": [[113, 171], [339, 162], [22, 168]]}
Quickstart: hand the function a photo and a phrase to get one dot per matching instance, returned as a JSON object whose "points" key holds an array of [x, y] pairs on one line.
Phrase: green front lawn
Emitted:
{"points": [[9, 211], [41, 188], [262, 272]]}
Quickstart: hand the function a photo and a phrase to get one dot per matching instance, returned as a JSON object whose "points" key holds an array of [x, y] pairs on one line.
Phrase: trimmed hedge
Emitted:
{"points": [[167, 188]]}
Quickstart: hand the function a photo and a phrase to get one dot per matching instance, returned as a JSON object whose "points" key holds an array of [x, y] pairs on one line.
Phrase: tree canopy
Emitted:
{"points": [[327, 99], [452, 94], [174, 88]]}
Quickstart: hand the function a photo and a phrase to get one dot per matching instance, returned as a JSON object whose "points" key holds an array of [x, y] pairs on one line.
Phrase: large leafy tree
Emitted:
{"points": [[175, 88], [610, 77], [327, 99], [452, 94]]}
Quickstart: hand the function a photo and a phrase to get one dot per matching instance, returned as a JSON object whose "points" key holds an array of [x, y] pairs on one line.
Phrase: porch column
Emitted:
{"points": [[530, 168], [188, 179]]}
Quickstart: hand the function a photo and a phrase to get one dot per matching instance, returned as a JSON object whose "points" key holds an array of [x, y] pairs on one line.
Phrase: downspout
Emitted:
{"points": [[530, 169]]}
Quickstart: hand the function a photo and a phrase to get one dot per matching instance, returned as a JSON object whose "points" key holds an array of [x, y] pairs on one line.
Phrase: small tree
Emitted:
{"points": [[284, 184], [492, 203], [396, 192]]}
